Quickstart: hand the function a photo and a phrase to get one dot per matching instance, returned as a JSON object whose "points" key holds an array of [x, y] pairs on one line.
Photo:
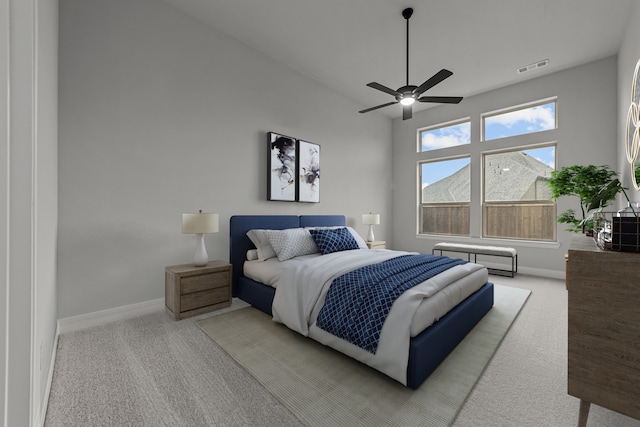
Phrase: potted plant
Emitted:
{"points": [[595, 187]]}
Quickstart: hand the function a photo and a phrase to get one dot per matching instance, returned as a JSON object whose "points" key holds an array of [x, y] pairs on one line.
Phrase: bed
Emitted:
{"points": [[426, 349]]}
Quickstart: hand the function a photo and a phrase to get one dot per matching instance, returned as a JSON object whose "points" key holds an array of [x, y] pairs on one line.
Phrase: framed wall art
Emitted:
{"points": [[282, 174], [308, 156]]}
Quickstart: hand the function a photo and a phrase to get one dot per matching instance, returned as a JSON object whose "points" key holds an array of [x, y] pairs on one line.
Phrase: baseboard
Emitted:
{"points": [[102, 317]]}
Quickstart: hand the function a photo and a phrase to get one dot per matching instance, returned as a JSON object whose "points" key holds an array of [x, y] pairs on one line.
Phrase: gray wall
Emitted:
{"points": [[587, 131], [159, 115]]}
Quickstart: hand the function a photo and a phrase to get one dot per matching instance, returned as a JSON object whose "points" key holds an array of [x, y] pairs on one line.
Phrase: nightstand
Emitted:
{"points": [[191, 290], [377, 244]]}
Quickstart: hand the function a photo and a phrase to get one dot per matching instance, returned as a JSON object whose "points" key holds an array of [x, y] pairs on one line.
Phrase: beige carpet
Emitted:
{"points": [[325, 388]]}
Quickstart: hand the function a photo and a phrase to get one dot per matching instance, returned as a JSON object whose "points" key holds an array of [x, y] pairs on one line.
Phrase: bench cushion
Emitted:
{"points": [[477, 249]]}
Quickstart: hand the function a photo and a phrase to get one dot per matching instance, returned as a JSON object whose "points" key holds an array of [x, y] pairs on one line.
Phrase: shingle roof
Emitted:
{"points": [[509, 176]]}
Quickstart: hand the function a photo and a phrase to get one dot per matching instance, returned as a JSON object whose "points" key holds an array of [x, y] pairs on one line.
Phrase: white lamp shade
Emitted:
{"points": [[371, 219], [199, 223]]}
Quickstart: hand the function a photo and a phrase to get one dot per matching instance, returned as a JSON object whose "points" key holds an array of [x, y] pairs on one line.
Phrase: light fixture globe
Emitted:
{"points": [[407, 101]]}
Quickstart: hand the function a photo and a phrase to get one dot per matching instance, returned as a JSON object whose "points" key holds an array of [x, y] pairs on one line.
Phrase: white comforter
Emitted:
{"points": [[302, 288]]}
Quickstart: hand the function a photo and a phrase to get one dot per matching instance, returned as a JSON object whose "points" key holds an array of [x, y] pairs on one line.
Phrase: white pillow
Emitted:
{"points": [[361, 243], [259, 238], [252, 254], [291, 243]]}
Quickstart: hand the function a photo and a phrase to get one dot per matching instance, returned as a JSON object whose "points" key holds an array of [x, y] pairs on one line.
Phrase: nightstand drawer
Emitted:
{"points": [[204, 298], [203, 282]]}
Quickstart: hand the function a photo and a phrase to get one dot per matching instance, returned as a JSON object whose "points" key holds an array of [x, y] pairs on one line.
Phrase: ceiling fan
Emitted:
{"points": [[407, 95]]}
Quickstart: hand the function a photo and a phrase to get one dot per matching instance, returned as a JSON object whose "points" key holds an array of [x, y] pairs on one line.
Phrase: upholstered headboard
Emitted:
{"points": [[239, 243]]}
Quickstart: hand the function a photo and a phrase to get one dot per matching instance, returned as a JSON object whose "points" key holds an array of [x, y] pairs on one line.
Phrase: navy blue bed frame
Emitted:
{"points": [[426, 350]]}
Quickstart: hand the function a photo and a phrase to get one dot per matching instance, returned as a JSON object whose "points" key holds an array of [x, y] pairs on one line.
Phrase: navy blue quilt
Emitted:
{"points": [[359, 301]]}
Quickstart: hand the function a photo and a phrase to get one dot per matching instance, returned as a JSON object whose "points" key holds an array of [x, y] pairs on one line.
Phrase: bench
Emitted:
{"points": [[482, 250]]}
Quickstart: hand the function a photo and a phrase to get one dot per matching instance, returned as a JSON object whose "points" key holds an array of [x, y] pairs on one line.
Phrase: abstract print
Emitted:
{"points": [[308, 172], [282, 168]]}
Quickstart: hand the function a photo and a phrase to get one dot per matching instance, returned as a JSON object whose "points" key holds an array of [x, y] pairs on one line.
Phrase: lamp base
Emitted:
{"points": [[370, 237], [200, 258]]}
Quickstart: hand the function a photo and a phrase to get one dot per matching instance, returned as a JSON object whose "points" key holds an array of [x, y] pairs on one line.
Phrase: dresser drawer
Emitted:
{"points": [[204, 298], [203, 282]]}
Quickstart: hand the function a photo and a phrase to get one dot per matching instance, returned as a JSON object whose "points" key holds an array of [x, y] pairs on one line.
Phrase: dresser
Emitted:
{"points": [[604, 328], [191, 290]]}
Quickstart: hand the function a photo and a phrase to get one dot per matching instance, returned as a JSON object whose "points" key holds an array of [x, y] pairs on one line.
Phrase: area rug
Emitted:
{"points": [[325, 388]]}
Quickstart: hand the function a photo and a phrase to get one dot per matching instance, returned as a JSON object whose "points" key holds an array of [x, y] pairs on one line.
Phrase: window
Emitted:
{"points": [[445, 196], [517, 200], [520, 120], [445, 135], [510, 197]]}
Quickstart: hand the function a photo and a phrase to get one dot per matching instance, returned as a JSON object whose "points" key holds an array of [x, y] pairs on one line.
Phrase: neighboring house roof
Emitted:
{"points": [[453, 188], [509, 176]]}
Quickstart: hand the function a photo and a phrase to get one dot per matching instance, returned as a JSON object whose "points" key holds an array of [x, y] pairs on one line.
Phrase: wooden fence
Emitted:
{"points": [[512, 220], [451, 219]]}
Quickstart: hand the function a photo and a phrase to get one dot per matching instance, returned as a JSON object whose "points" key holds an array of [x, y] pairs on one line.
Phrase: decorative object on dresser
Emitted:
{"points": [[200, 224], [308, 166], [190, 290], [370, 219], [595, 186], [603, 324], [632, 134]]}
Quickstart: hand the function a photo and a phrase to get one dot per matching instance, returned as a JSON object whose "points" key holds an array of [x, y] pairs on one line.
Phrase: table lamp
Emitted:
{"points": [[200, 224], [370, 219]]}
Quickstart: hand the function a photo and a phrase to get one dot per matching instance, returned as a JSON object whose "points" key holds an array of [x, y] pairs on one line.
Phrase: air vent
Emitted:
{"points": [[533, 66]]}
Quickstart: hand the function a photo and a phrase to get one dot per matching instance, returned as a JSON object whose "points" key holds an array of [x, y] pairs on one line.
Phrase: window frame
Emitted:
{"points": [[421, 203], [475, 151], [484, 203]]}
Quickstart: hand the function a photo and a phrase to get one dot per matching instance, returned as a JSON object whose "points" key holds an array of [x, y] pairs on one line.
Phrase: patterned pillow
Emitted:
{"points": [[334, 240], [354, 233], [291, 243]]}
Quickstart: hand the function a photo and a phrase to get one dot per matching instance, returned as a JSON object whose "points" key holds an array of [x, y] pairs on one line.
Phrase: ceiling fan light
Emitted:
{"points": [[407, 101]]}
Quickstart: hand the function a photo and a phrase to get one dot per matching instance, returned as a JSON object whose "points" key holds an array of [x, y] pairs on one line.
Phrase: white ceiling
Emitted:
{"points": [[346, 44]]}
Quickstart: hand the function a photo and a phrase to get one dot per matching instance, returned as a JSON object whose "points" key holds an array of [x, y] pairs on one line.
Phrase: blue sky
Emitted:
{"points": [[519, 122]]}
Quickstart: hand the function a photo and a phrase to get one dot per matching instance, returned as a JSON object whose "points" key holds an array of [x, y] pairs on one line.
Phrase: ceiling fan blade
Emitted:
{"points": [[407, 112], [383, 88], [378, 106], [441, 99], [434, 80]]}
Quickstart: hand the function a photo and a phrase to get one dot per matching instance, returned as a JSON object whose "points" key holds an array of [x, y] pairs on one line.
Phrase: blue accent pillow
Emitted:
{"points": [[331, 240]]}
